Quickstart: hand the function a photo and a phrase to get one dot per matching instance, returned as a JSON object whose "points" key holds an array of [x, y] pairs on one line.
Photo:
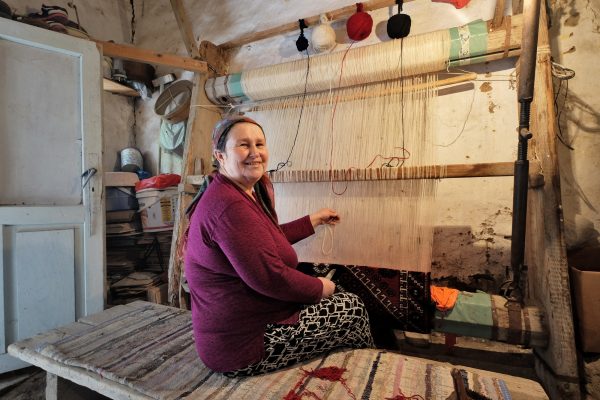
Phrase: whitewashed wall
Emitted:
{"points": [[104, 21], [576, 44]]}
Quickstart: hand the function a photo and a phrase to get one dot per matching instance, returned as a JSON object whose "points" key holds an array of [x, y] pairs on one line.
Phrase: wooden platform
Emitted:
{"points": [[146, 351]]}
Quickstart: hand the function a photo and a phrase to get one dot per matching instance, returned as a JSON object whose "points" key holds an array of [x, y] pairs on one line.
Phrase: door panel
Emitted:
{"points": [[38, 137], [45, 280], [52, 252]]}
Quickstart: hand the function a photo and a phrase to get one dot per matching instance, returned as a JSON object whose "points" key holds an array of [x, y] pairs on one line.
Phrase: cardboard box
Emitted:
{"points": [[585, 283]]}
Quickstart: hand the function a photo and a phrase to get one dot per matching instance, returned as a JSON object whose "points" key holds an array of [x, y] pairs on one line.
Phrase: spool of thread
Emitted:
{"points": [[131, 160], [323, 36]]}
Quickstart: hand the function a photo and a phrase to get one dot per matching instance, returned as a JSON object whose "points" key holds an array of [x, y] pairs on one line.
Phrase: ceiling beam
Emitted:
{"points": [[151, 57], [184, 28]]}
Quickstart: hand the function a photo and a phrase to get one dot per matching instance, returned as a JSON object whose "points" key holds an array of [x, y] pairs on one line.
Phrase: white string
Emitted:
{"points": [[384, 223], [329, 229]]}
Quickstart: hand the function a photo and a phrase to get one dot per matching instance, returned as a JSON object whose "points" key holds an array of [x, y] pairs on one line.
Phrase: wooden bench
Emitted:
{"points": [[146, 351]]}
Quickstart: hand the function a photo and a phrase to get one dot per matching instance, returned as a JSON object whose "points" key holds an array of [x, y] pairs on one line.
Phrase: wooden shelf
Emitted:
{"points": [[117, 88]]}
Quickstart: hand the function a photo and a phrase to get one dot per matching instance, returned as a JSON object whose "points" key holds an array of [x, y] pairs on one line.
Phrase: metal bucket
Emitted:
{"points": [[131, 160]]}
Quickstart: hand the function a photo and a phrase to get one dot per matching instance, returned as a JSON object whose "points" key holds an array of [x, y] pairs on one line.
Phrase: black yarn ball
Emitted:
{"points": [[302, 43], [398, 26]]}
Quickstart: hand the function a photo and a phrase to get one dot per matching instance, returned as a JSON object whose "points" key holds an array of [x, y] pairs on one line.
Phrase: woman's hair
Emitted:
{"points": [[222, 129]]}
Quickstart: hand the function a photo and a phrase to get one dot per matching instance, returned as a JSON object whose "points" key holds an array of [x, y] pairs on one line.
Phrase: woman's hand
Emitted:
{"points": [[328, 287], [324, 216]]}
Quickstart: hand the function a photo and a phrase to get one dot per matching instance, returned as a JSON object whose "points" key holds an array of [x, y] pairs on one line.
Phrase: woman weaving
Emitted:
{"points": [[252, 311]]}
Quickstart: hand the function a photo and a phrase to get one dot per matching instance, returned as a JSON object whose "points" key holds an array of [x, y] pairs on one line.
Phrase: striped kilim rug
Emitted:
{"points": [[150, 348]]}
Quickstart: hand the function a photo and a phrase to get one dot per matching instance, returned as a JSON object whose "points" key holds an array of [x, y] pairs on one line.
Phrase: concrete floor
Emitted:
{"points": [[24, 384]]}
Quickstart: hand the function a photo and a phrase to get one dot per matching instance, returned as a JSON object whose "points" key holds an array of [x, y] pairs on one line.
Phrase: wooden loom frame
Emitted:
{"points": [[556, 365]]}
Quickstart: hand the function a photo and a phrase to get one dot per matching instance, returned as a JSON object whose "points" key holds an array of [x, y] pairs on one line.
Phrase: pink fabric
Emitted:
{"points": [[241, 270]]}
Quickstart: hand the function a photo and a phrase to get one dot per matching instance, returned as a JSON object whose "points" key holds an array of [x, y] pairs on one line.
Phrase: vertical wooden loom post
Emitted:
{"points": [[556, 365], [197, 148], [197, 145]]}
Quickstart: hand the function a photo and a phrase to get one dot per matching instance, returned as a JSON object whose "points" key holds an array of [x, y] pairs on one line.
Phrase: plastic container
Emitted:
{"points": [[120, 198], [158, 208]]}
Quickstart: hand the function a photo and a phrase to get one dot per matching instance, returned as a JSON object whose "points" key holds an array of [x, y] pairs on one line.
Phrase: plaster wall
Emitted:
{"points": [[575, 36], [103, 21]]}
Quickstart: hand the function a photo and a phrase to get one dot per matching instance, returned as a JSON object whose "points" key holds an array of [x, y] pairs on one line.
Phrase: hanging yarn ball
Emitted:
{"points": [[360, 24], [398, 25], [323, 36], [302, 42]]}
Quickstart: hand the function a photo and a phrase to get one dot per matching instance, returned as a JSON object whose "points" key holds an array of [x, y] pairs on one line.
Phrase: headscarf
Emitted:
{"points": [[223, 127]]}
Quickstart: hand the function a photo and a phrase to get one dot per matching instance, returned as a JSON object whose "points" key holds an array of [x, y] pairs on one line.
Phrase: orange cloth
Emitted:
{"points": [[444, 297]]}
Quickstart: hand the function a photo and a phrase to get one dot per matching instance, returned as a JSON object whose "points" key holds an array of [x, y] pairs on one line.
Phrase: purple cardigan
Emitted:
{"points": [[241, 270]]}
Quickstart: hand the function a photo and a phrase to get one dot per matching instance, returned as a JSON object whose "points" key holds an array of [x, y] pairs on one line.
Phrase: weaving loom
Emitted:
{"points": [[360, 117], [475, 43]]}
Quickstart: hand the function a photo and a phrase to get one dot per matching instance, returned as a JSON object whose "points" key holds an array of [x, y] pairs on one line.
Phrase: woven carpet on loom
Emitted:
{"points": [[396, 299]]}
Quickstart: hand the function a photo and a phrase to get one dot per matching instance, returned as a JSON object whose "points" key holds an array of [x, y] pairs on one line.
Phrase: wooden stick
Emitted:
{"points": [[333, 15], [152, 57], [365, 95], [184, 28], [498, 14], [115, 87], [400, 173]]}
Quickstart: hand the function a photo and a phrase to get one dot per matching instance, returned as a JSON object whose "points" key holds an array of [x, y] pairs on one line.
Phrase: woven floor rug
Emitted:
{"points": [[150, 349]]}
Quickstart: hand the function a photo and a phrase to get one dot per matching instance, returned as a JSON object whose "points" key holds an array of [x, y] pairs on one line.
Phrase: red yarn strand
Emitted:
{"points": [[332, 374]]}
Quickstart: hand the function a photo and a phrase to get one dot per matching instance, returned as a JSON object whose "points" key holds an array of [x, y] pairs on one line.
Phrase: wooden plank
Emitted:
{"points": [[151, 57], [184, 28], [117, 88], [545, 250], [395, 173], [96, 382], [332, 15], [498, 14]]}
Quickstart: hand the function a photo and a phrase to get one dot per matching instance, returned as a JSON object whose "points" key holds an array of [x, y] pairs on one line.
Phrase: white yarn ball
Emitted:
{"points": [[323, 36]]}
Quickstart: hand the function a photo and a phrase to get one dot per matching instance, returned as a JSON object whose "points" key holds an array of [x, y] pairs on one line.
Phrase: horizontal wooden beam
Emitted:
{"points": [[393, 173], [332, 15], [151, 57], [399, 173]]}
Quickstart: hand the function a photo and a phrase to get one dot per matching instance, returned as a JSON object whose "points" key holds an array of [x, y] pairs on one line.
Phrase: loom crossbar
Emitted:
{"points": [[398, 173]]}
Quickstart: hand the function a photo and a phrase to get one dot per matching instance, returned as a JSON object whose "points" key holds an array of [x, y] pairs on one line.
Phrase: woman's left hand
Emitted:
{"points": [[324, 216]]}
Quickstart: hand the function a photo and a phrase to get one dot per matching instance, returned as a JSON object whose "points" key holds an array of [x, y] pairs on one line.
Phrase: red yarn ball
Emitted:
{"points": [[359, 25]]}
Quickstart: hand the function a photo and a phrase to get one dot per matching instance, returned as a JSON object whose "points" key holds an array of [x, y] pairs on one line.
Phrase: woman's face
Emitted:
{"points": [[245, 157]]}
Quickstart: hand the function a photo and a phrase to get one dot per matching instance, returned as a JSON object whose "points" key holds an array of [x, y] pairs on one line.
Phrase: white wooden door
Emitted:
{"points": [[52, 252]]}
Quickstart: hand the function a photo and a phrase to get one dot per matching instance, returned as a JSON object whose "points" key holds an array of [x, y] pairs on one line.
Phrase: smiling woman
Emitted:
{"points": [[252, 310], [243, 157]]}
